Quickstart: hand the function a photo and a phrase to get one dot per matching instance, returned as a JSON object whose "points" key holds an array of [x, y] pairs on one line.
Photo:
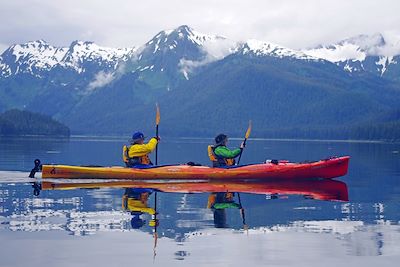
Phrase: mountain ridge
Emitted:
{"points": [[353, 49], [204, 84]]}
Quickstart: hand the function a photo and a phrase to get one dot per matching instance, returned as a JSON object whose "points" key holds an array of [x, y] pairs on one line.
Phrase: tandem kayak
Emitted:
{"points": [[327, 168]]}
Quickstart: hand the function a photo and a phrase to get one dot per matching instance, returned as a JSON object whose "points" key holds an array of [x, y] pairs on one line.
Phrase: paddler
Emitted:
{"points": [[220, 155], [218, 203], [137, 153], [135, 200]]}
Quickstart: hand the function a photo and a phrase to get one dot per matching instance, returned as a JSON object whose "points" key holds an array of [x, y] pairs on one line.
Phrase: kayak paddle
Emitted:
{"points": [[155, 234], [245, 227], [247, 135], [157, 122]]}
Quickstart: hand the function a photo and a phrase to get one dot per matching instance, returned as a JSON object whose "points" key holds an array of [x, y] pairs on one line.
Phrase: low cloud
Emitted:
{"points": [[219, 48], [214, 50], [358, 47], [101, 79], [188, 66], [392, 46]]}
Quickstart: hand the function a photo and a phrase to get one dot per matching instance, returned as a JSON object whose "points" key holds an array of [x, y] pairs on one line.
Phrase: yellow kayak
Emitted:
{"points": [[328, 168]]}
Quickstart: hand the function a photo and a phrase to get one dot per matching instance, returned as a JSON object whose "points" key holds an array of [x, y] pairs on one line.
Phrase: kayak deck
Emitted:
{"points": [[329, 168]]}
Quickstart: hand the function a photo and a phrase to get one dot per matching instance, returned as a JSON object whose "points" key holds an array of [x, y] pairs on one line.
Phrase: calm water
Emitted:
{"points": [[96, 227]]}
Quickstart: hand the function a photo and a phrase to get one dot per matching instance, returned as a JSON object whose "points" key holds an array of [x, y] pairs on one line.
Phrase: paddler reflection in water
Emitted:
{"points": [[220, 155], [218, 203], [137, 153], [135, 200]]}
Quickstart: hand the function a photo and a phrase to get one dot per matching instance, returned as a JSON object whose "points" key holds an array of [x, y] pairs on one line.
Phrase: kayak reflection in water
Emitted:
{"points": [[218, 203], [137, 153], [135, 200], [220, 155]]}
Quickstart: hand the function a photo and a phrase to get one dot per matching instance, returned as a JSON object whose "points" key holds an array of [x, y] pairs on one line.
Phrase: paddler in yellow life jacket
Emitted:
{"points": [[135, 200], [137, 153], [220, 155]]}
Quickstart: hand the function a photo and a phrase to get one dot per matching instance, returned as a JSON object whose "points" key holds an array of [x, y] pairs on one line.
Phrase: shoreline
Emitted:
{"points": [[124, 138]]}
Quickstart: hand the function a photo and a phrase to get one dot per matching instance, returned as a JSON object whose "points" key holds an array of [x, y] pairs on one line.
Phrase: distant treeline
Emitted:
{"points": [[17, 122], [388, 131]]}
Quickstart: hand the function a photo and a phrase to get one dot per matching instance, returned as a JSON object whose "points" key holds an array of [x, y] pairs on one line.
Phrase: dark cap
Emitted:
{"points": [[220, 139]]}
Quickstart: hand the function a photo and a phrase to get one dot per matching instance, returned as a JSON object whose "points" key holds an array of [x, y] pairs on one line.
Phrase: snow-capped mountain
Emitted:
{"points": [[39, 57], [174, 53], [30, 57], [96, 89], [182, 37], [371, 53], [177, 52], [81, 53]]}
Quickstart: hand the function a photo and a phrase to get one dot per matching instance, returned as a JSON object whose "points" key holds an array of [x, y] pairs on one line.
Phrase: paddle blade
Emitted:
{"points": [[248, 130], [157, 114]]}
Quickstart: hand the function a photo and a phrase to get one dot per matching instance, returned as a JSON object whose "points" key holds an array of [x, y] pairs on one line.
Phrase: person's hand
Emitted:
{"points": [[242, 145], [158, 138]]}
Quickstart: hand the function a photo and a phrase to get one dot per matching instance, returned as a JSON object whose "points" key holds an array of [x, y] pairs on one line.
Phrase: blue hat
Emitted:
{"points": [[137, 136], [137, 222]]}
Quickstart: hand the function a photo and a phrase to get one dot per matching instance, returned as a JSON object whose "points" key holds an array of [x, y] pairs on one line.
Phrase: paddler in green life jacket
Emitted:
{"points": [[137, 153], [220, 155], [218, 203]]}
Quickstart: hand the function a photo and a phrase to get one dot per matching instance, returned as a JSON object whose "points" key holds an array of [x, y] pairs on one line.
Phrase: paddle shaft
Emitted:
{"points": [[155, 226], [240, 156], [157, 145], [242, 210]]}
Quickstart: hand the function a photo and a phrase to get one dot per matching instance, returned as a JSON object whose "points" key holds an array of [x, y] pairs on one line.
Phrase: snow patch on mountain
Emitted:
{"points": [[5, 70], [261, 48], [384, 62]]}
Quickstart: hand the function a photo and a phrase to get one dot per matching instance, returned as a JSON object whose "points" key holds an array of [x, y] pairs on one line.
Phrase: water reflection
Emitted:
{"points": [[135, 201], [205, 214], [221, 196]]}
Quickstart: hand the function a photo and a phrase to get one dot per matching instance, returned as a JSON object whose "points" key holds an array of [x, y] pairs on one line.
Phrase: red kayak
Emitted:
{"points": [[327, 168]]}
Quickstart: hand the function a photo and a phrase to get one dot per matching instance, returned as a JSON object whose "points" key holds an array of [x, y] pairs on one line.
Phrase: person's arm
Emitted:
{"points": [[223, 151], [140, 150]]}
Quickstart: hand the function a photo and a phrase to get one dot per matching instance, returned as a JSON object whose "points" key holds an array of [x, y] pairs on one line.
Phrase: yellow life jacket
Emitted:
{"points": [[218, 161], [136, 205], [130, 162]]}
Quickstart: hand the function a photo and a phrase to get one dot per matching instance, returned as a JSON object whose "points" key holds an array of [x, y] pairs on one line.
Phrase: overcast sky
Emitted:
{"points": [[125, 23]]}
